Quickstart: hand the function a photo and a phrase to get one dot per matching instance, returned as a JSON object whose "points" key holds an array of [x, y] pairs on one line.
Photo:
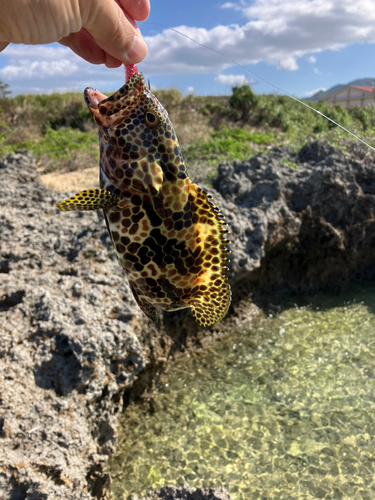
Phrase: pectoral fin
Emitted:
{"points": [[90, 199]]}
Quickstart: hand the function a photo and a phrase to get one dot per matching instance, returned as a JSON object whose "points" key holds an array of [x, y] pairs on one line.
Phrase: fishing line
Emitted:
{"points": [[264, 81]]}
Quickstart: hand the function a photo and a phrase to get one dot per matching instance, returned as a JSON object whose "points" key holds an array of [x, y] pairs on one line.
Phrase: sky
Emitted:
{"points": [[298, 46]]}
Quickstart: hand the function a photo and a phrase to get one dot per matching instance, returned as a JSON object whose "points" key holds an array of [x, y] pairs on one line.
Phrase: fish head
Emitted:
{"points": [[133, 127]]}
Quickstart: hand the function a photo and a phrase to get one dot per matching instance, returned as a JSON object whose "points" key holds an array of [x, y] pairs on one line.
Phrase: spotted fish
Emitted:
{"points": [[168, 235]]}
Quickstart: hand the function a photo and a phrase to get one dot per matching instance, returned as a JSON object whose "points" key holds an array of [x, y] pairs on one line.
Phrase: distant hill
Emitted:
{"points": [[322, 94]]}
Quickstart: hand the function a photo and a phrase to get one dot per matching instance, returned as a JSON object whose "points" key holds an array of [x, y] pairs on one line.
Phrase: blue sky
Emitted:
{"points": [[300, 46]]}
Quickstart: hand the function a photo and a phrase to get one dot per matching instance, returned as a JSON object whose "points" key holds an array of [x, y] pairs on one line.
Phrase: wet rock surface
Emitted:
{"points": [[73, 343]]}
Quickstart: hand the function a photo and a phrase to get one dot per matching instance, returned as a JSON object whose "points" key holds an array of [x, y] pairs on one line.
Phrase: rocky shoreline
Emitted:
{"points": [[73, 344]]}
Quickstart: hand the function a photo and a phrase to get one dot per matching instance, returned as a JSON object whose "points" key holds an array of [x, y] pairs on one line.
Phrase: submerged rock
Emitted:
{"points": [[72, 339], [186, 493]]}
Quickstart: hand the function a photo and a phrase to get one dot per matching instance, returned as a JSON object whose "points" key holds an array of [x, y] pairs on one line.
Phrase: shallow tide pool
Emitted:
{"points": [[281, 410]]}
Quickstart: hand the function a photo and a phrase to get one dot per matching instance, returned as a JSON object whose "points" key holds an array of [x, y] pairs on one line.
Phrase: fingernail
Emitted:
{"points": [[138, 50]]}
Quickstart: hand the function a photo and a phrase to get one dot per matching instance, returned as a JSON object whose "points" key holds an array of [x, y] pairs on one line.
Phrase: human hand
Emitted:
{"points": [[99, 31]]}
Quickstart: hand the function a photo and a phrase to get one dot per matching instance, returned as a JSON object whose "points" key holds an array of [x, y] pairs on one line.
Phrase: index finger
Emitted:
{"points": [[139, 10]]}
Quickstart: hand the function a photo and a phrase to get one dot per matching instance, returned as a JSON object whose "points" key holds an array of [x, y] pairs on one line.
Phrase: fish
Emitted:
{"points": [[168, 235]]}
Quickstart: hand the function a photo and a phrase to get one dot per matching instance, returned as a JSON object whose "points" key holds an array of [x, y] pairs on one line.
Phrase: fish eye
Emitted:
{"points": [[152, 120]]}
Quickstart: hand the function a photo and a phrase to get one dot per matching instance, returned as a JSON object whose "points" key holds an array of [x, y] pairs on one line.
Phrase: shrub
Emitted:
{"points": [[366, 116], [169, 98], [242, 101], [4, 90]]}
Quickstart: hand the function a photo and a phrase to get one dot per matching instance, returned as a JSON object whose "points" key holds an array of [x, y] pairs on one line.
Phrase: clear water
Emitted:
{"points": [[283, 410]]}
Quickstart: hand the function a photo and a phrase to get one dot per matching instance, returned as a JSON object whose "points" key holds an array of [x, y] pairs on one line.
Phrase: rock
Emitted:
{"points": [[68, 345], [73, 343], [299, 228], [186, 493]]}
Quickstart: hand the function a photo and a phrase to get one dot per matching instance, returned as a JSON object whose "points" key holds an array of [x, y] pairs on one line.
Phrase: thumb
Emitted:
{"points": [[115, 32]]}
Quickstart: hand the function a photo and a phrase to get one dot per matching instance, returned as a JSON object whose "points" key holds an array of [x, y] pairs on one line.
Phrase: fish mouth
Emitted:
{"points": [[96, 102], [113, 110], [93, 97]]}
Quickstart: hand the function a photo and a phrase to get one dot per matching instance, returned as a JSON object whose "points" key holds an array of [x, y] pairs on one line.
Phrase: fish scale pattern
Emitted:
{"points": [[168, 235]]}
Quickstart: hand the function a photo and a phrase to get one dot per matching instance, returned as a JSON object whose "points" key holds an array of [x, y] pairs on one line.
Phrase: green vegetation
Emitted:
{"points": [[227, 144], [60, 132], [41, 111], [58, 144], [169, 98], [288, 163], [242, 102], [290, 121], [56, 128], [4, 90]]}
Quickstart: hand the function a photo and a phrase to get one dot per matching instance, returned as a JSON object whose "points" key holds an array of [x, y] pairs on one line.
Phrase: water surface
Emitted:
{"points": [[283, 410]]}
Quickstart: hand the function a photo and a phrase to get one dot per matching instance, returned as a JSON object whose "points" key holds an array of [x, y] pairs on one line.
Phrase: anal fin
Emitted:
{"points": [[90, 199], [150, 311]]}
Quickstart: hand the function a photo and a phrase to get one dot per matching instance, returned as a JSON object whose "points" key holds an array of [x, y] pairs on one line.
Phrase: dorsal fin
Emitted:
{"points": [[210, 303]]}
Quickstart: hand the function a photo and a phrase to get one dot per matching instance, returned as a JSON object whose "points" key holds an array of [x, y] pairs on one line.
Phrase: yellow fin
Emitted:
{"points": [[207, 310], [210, 302], [90, 199]]}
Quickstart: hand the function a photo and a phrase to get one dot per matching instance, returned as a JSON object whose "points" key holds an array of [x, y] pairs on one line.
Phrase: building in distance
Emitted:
{"points": [[359, 92], [351, 96]]}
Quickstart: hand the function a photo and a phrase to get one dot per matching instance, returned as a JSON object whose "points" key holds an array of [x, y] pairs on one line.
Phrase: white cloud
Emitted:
{"points": [[190, 90], [231, 5], [48, 52], [312, 92], [312, 59], [46, 68], [171, 53], [317, 71], [278, 32], [289, 64], [232, 80], [26, 69]]}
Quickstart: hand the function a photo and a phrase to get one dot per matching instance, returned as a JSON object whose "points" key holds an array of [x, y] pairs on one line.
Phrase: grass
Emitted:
{"points": [[56, 128], [65, 148], [226, 144], [58, 144], [288, 163]]}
